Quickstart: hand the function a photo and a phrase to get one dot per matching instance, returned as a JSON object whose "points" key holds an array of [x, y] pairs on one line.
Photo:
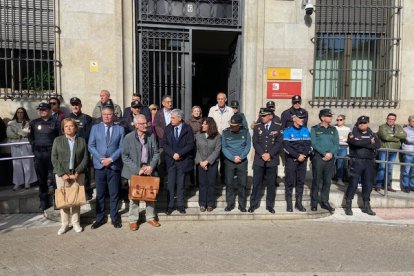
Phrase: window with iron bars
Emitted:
{"points": [[28, 63], [357, 53]]}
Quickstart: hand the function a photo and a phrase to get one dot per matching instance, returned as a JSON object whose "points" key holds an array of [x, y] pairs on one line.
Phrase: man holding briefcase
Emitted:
{"points": [[140, 156]]}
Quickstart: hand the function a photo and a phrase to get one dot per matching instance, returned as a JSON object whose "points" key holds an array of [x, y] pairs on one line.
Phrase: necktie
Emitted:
{"points": [[176, 133], [108, 135], [267, 129]]}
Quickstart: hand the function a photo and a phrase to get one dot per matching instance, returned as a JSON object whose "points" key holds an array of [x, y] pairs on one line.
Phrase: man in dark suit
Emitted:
{"points": [[267, 142], [144, 109], [105, 145], [178, 144]]}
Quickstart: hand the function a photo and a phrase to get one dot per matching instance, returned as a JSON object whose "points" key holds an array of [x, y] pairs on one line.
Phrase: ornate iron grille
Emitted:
{"points": [[195, 12], [163, 64], [27, 49], [357, 53]]}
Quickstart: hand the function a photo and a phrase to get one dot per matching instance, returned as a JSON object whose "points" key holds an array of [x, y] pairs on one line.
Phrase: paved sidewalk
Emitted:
{"points": [[328, 246]]}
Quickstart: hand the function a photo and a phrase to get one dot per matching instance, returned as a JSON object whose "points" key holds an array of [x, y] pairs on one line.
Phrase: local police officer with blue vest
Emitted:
{"points": [[325, 143], [267, 142], [363, 145], [297, 145], [43, 131]]}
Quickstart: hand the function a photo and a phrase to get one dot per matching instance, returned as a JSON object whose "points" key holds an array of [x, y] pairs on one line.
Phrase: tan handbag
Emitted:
{"points": [[66, 197], [143, 188]]}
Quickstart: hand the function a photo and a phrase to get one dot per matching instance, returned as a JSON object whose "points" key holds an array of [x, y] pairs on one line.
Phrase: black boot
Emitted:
{"points": [[289, 207], [298, 204], [367, 209], [348, 208]]}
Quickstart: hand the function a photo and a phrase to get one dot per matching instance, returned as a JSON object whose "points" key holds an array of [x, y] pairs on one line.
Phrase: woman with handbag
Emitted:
{"points": [[207, 156], [70, 160], [17, 131]]}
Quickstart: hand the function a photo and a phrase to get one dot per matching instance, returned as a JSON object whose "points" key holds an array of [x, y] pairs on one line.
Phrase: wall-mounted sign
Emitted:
{"points": [[284, 74], [93, 66], [283, 89]]}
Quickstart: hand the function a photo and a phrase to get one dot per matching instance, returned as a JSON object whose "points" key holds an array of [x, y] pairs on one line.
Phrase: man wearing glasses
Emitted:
{"points": [[296, 108], [325, 143], [363, 144], [391, 136], [57, 114]]}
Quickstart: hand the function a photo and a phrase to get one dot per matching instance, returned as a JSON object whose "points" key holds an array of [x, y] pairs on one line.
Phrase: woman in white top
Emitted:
{"points": [[17, 131], [343, 132]]}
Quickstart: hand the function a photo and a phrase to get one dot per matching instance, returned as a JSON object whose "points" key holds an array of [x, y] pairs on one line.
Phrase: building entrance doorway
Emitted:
{"points": [[212, 62]]}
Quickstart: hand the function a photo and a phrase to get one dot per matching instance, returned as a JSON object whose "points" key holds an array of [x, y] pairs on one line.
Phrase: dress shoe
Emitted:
{"points": [[228, 208], [117, 224], [202, 209], [168, 211], [314, 208], [209, 208], [378, 189], [328, 207], [391, 190], [242, 209], [181, 210], [97, 224], [154, 223], [251, 209], [270, 209], [133, 226]]}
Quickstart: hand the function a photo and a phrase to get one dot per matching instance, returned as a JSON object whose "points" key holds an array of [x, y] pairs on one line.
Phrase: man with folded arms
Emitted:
{"points": [[140, 156]]}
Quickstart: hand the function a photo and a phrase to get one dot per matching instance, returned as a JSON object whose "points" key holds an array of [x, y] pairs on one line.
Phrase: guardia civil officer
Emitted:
{"points": [[267, 142], [297, 146], [363, 146], [325, 143], [43, 131]]}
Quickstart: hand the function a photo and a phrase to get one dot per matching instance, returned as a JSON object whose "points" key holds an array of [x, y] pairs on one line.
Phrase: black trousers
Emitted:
{"points": [[44, 168], [364, 169], [295, 173], [322, 172]]}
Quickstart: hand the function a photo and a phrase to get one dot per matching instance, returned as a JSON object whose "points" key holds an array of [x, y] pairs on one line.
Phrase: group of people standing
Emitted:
{"points": [[158, 141]]}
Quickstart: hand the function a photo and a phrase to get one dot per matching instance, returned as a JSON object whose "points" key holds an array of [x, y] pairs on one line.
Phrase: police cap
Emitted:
{"points": [[236, 120], [43, 106]]}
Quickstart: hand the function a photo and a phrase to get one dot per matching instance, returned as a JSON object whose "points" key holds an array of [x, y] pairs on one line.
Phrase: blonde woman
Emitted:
{"points": [[17, 131], [70, 160]]}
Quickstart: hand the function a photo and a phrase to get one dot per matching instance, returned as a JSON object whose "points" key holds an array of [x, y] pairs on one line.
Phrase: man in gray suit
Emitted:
{"points": [[140, 156]]}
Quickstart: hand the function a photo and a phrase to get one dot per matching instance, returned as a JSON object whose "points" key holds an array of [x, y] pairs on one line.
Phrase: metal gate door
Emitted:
{"points": [[234, 79], [165, 66]]}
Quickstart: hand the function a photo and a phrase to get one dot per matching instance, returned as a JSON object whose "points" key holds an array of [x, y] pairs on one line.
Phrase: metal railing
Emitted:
{"points": [[15, 157], [387, 163]]}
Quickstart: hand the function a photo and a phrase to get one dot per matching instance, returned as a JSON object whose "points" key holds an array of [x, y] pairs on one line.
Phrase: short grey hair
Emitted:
{"points": [[410, 117], [177, 112], [106, 92], [139, 116]]}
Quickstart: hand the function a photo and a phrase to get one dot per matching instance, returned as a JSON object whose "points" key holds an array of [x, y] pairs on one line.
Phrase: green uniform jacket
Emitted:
{"points": [[61, 155], [324, 140], [389, 139]]}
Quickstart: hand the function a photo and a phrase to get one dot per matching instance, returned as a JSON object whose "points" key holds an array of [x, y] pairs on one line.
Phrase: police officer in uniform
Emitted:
{"points": [[267, 142], [84, 123], [297, 146], [295, 109], [325, 143], [43, 131], [363, 144]]}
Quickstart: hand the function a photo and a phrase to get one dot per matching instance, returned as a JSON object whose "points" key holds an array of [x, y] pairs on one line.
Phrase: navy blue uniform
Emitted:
{"points": [[296, 141], [41, 136], [362, 152], [286, 117], [269, 141]]}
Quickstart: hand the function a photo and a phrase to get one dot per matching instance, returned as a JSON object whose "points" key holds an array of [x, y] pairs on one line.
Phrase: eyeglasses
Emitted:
{"points": [[362, 123], [53, 103], [339, 120], [75, 104], [141, 123], [297, 102], [153, 109]]}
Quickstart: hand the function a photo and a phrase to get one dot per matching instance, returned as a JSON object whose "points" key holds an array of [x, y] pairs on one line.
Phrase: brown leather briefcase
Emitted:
{"points": [[143, 188]]}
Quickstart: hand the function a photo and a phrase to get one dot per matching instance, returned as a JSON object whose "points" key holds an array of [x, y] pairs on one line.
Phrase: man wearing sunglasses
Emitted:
{"points": [[57, 114], [296, 108], [363, 145], [325, 143]]}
